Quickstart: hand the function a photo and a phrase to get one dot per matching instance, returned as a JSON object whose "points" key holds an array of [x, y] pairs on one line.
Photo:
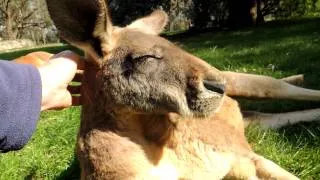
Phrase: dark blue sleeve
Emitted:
{"points": [[20, 103]]}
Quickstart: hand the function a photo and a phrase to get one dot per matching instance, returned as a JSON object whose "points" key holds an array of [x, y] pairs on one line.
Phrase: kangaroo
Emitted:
{"points": [[37, 59], [153, 111]]}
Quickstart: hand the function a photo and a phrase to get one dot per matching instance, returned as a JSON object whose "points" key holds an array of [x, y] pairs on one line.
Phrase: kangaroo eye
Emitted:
{"points": [[145, 57], [139, 64]]}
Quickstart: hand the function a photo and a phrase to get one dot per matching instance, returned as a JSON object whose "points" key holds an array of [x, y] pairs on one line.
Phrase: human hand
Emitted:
{"points": [[56, 76]]}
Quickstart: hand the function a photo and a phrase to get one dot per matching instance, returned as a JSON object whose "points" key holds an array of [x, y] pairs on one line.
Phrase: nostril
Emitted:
{"points": [[214, 86]]}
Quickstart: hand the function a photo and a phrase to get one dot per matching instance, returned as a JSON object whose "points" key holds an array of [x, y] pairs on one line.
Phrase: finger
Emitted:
{"points": [[80, 71], [76, 100], [74, 89], [71, 56], [58, 102]]}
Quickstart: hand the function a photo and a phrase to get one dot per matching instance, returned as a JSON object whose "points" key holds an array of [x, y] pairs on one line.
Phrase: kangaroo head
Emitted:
{"points": [[138, 69]]}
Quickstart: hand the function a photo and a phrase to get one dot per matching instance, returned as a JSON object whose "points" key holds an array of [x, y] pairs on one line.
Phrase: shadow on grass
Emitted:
{"points": [[288, 27], [72, 173]]}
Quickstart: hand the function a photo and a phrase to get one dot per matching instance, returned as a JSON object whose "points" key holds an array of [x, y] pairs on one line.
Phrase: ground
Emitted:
{"points": [[277, 49]]}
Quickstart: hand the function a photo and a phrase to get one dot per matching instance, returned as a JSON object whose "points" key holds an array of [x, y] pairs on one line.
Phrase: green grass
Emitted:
{"points": [[50, 151], [292, 47]]}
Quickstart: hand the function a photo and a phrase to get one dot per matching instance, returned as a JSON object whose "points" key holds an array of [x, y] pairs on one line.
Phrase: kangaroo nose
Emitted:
{"points": [[214, 86]]}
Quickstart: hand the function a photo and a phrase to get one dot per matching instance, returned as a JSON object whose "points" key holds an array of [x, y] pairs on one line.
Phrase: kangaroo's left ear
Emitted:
{"points": [[152, 24]]}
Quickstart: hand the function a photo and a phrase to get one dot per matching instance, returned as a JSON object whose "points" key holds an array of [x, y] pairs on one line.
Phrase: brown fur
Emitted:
{"points": [[151, 110], [37, 59]]}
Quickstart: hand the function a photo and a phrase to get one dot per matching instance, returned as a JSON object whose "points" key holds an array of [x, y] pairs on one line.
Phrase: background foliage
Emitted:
{"points": [[29, 18]]}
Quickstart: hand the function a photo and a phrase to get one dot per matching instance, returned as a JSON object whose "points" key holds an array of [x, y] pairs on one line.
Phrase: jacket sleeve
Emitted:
{"points": [[20, 103]]}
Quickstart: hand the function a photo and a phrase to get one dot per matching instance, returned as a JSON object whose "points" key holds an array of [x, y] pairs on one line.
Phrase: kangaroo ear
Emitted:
{"points": [[85, 24], [152, 24]]}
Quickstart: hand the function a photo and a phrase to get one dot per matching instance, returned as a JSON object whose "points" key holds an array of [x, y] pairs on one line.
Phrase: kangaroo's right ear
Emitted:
{"points": [[83, 23]]}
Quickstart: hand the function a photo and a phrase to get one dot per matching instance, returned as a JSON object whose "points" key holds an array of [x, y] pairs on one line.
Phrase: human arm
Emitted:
{"points": [[25, 90], [20, 103]]}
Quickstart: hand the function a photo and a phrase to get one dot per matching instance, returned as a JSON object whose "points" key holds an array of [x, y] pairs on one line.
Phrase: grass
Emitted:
{"points": [[50, 151], [291, 47]]}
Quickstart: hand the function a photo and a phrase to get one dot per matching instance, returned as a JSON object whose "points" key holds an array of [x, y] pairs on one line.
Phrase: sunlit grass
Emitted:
{"points": [[50, 151]]}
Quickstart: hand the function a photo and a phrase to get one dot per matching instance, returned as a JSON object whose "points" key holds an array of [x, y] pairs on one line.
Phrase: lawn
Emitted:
{"points": [[277, 49]]}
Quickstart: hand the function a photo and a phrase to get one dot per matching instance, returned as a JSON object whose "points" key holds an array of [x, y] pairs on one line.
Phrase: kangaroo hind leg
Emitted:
{"points": [[267, 169], [278, 120]]}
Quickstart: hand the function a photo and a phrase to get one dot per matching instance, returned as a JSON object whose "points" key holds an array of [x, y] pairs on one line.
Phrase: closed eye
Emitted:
{"points": [[145, 57], [137, 63]]}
